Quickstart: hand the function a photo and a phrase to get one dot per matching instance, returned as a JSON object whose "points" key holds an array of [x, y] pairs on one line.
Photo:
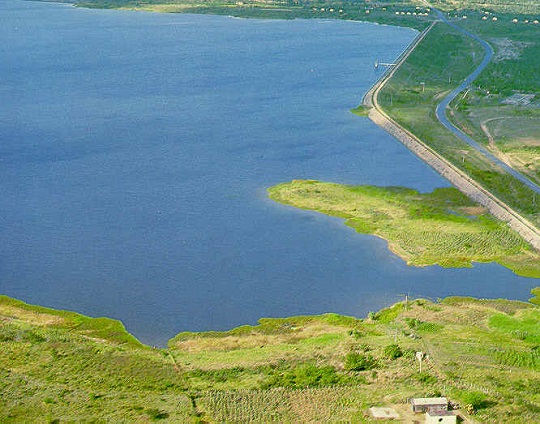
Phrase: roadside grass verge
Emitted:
{"points": [[441, 60]]}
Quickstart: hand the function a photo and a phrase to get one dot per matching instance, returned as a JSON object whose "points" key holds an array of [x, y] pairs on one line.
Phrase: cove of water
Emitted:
{"points": [[135, 150]]}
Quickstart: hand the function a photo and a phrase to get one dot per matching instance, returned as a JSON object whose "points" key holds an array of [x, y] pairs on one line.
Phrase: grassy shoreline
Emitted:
{"points": [[443, 227], [61, 366]]}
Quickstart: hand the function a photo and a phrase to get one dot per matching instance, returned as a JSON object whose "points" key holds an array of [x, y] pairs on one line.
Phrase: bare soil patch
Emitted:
{"points": [[506, 49]]}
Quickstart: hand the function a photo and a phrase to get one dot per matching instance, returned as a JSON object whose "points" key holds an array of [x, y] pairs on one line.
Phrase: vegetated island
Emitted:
{"points": [[59, 366], [443, 227]]}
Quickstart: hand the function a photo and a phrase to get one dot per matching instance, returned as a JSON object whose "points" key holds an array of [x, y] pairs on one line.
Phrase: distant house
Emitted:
{"points": [[441, 417], [439, 404]]}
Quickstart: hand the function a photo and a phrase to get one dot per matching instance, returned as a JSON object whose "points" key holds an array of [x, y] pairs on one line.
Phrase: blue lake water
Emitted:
{"points": [[135, 150]]}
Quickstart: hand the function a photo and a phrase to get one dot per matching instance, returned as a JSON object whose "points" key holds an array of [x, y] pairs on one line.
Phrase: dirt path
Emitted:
{"points": [[510, 160], [458, 178], [488, 134], [491, 139]]}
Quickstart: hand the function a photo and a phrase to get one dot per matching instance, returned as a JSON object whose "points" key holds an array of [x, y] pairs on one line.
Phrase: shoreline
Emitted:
{"points": [[444, 227], [105, 329], [60, 366]]}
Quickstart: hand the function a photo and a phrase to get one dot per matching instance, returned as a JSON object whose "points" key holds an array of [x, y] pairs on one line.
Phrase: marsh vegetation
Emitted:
{"points": [[443, 227]]}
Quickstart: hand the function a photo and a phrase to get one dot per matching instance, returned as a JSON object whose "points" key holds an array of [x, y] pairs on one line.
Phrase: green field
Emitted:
{"points": [[443, 227], [498, 6], [59, 366], [502, 109]]}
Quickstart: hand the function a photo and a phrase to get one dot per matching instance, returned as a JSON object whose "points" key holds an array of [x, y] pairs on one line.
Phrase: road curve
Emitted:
{"points": [[440, 111], [454, 175]]}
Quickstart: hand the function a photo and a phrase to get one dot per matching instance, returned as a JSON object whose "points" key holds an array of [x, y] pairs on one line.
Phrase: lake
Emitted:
{"points": [[136, 149]]}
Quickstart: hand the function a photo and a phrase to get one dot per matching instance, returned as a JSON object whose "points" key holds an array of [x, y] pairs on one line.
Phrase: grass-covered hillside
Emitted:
{"points": [[59, 366], [443, 227]]}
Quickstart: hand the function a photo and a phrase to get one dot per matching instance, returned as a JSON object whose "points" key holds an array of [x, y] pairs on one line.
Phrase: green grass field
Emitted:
{"points": [[498, 6], [59, 366], [443, 227], [502, 109]]}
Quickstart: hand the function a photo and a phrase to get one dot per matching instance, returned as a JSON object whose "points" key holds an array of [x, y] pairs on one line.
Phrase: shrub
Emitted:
{"points": [[425, 377], [364, 347], [434, 393], [419, 325], [392, 352], [156, 414], [33, 337], [356, 334], [359, 362], [413, 322], [7, 334], [477, 400], [409, 353], [304, 375]]}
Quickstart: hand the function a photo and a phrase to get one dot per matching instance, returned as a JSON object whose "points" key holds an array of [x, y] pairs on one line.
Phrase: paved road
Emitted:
{"points": [[457, 177], [441, 108]]}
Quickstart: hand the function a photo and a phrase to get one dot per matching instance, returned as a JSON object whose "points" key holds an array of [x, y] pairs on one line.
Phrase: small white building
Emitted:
{"points": [[442, 417], [439, 404]]}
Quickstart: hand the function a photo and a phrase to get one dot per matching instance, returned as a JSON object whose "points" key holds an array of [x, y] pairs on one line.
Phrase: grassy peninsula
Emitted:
{"points": [[443, 227], [59, 366]]}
